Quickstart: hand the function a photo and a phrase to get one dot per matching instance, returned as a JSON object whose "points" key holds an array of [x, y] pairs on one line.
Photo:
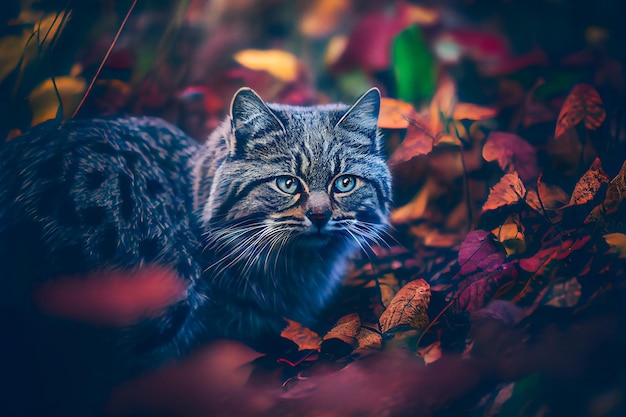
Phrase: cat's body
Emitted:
{"points": [[258, 223]]}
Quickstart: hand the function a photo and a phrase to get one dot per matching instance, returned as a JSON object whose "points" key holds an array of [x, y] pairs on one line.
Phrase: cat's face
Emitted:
{"points": [[294, 174]]}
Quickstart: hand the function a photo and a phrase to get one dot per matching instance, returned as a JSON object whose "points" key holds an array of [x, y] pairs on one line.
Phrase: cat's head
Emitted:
{"points": [[313, 175]]}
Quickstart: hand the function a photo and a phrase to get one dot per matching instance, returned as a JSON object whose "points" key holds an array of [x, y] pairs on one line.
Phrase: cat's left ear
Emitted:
{"points": [[251, 119], [362, 117]]}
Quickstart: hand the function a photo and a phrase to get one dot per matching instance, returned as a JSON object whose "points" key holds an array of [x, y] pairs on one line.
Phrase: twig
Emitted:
{"points": [[106, 56]]}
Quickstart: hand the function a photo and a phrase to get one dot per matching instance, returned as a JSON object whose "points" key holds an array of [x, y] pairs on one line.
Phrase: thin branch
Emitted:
{"points": [[106, 57]]}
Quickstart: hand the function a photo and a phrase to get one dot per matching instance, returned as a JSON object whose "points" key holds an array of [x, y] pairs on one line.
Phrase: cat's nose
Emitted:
{"points": [[319, 217]]}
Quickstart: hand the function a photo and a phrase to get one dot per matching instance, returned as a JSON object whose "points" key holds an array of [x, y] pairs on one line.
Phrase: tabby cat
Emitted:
{"points": [[258, 222]]}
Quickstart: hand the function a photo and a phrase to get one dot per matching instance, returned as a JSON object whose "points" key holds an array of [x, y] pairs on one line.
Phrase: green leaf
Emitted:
{"points": [[413, 66]]}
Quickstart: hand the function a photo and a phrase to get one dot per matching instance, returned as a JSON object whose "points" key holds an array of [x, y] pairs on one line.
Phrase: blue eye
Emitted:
{"points": [[289, 185], [344, 183]]}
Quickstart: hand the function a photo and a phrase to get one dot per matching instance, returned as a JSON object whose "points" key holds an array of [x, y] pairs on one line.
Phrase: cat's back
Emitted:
{"points": [[87, 194]]}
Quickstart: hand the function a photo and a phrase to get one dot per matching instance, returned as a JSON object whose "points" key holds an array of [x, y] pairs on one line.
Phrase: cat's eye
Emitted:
{"points": [[289, 185], [344, 183]]}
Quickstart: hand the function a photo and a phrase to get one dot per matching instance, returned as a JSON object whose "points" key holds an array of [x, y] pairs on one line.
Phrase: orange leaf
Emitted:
{"points": [[408, 308], [395, 114], [509, 190], [467, 111], [345, 329], [302, 336], [418, 141], [589, 184], [582, 103]]}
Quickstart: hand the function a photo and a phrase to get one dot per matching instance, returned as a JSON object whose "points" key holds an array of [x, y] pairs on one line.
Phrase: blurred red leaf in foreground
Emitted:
{"points": [[111, 297]]}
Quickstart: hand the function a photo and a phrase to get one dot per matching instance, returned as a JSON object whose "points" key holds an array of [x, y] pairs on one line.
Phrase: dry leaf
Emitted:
{"points": [[302, 336], [614, 196], [408, 309], [509, 190], [281, 64], [617, 243], [345, 329], [395, 114], [582, 103], [368, 338], [589, 184], [420, 15]]}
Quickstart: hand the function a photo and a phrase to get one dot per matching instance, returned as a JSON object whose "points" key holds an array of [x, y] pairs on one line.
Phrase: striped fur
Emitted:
{"points": [[262, 249]]}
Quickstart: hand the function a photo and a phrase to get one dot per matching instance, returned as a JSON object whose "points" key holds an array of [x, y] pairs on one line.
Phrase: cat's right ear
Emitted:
{"points": [[250, 119]]}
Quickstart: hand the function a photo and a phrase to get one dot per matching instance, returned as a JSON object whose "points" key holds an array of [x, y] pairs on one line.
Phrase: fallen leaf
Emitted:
{"points": [[112, 297], [322, 17], [589, 184], [302, 336], [546, 255], [617, 244], [395, 114], [615, 194], [281, 64], [408, 309], [468, 111], [415, 209], [475, 291], [480, 252], [442, 105], [546, 197], [345, 329], [44, 101], [418, 141], [416, 14], [369, 337], [510, 190], [513, 154], [511, 235], [582, 103]]}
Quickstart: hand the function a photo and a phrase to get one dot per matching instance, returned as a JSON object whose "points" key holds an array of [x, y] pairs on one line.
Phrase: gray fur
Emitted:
{"points": [[88, 195]]}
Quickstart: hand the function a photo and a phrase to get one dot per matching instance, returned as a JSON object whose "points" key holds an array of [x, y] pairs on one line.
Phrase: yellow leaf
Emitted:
{"points": [[334, 49], [617, 242], [281, 64], [473, 112], [421, 15], [323, 17], [44, 102], [511, 234], [389, 286], [408, 309]]}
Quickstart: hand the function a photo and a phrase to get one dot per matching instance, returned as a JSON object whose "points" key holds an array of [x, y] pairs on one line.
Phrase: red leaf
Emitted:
{"points": [[476, 290], [512, 153], [480, 252], [114, 297], [582, 103]]}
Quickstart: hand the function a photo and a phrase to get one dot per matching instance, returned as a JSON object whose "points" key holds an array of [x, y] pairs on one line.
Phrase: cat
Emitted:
{"points": [[258, 223]]}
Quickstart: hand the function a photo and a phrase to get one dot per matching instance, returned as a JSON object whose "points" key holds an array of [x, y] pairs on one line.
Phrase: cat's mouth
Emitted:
{"points": [[316, 238]]}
